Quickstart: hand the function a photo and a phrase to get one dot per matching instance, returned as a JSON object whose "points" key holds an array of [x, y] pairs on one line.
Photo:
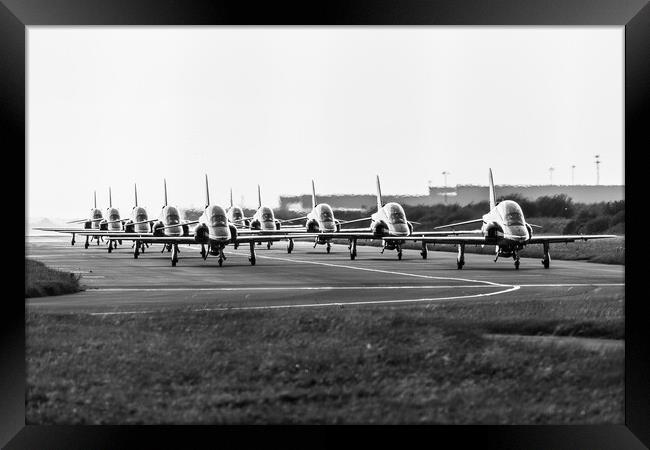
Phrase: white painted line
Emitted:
{"points": [[288, 288], [324, 288], [370, 302], [119, 312], [431, 277]]}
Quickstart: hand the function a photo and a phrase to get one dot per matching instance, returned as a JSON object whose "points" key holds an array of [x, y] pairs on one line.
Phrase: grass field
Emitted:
{"points": [[604, 251], [410, 364], [41, 281]]}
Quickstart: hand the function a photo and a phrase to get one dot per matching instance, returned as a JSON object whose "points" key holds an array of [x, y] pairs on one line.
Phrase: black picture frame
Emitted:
{"points": [[634, 15]]}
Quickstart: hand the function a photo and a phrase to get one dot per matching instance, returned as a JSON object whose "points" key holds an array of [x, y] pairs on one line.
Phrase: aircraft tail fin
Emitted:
{"points": [[379, 203], [313, 195], [493, 198], [110, 200], [259, 197], [95, 195], [231, 203], [165, 187], [135, 190], [207, 192]]}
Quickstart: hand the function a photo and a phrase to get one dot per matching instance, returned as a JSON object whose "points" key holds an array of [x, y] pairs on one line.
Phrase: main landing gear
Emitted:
{"points": [[138, 247], [175, 252], [251, 258], [515, 256], [87, 244], [268, 245], [353, 248], [73, 241], [424, 251], [290, 246], [547, 256], [460, 259], [329, 247], [110, 246]]}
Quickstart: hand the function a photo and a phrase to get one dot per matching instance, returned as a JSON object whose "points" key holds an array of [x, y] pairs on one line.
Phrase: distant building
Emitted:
{"points": [[461, 195], [466, 194]]}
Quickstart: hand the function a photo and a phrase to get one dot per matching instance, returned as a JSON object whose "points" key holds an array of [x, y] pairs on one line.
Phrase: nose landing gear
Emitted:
{"points": [[329, 247], [424, 251], [290, 246]]}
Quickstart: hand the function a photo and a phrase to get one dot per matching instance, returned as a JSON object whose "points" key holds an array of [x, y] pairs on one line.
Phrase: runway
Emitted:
{"points": [[116, 283]]}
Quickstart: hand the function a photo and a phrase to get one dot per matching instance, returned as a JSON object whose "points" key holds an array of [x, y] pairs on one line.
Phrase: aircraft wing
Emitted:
{"points": [[69, 230], [567, 238], [472, 240], [271, 237], [248, 231], [444, 233], [354, 230], [451, 225], [346, 234]]}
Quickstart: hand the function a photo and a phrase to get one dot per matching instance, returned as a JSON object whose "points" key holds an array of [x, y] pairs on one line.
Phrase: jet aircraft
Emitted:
{"points": [[504, 227], [389, 224], [213, 230]]}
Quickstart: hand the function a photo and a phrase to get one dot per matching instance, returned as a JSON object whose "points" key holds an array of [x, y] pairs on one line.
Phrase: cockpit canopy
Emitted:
{"points": [[511, 213], [113, 214], [266, 214], [171, 215], [217, 216], [325, 213], [396, 213], [96, 213], [139, 213], [236, 213]]}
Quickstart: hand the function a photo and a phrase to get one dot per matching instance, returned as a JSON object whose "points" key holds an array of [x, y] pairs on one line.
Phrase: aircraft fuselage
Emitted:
{"points": [[506, 226]]}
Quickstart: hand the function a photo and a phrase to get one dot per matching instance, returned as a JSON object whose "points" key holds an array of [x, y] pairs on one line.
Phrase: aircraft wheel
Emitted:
{"points": [[110, 249], [173, 263], [329, 248], [252, 260], [135, 256], [220, 262], [546, 263], [399, 255], [268, 245], [517, 264], [424, 255], [459, 265], [86, 245]]}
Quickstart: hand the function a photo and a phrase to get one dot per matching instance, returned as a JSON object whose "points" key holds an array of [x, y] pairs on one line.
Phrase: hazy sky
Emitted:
{"points": [[280, 105]]}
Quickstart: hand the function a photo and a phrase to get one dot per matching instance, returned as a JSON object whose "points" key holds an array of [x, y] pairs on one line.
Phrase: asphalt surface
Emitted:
{"points": [[116, 283]]}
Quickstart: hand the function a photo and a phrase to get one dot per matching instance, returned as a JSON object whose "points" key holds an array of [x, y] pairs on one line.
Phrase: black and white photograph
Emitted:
{"points": [[325, 225]]}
